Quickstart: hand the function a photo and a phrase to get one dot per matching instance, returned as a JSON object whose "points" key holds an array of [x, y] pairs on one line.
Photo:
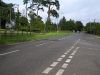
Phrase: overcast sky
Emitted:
{"points": [[81, 10]]}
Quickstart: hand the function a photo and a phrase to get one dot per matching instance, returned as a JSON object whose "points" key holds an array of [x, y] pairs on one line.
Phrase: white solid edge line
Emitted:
{"points": [[54, 64], [60, 72], [9, 52], [41, 44], [64, 65], [46, 71], [59, 39]]}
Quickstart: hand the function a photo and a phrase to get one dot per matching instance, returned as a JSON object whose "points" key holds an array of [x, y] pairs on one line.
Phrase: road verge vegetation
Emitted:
{"points": [[10, 38]]}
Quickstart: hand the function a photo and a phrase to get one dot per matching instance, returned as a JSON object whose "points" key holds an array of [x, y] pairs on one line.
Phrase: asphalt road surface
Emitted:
{"points": [[78, 54]]}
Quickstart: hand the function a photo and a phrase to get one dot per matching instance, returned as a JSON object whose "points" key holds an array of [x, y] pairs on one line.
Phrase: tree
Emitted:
{"points": [[67, 25], [79, 26], [93, 28], [62, 24], [51, 4], [37, 25], [36, 5], [6, 13], [71, 25], [23, 23], [39, 5], [17, 20], [26, 2]]}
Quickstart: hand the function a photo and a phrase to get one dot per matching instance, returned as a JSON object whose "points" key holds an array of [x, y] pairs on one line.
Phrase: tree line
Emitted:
{"points": [[93, 28], [35, 23], [70, 25], [7, 14]]}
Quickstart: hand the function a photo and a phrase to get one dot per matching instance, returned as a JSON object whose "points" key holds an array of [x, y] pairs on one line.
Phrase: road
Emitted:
{"points": [[78, 54]]}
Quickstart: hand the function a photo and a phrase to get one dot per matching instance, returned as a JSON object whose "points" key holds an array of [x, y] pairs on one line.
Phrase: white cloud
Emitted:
{"points": [[84, 10]]}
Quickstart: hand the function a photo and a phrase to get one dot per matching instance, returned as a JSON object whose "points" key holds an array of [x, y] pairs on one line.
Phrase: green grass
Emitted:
{"points": [[50, 35], [14, 38]]}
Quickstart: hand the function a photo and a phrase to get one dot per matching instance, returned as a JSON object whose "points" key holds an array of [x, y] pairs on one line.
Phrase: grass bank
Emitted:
{"points": [[10, 38]]}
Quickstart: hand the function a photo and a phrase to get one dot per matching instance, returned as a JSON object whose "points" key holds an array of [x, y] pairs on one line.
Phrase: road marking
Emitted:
{"points": [[68, 60], [66, 53], [75, 51], [41, 44], [9, 52], [77, 48], [70, 57], [62, 39], [54, 64], [70, 49], [59, 39], [76, 42], [60, 72], [64, 65], [59, 59], [46, 71], [63, 56]]}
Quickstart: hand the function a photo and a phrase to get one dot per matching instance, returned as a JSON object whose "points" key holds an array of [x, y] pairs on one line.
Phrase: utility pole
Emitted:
{"points": [[90, 28], [10, 14], [57, 26], [0, 23], [27, 19], [94, 27], [0, 17], [17, 27]]}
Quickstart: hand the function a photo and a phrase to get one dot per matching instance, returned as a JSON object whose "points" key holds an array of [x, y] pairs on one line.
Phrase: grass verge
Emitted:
{"points": [[15, 38]]}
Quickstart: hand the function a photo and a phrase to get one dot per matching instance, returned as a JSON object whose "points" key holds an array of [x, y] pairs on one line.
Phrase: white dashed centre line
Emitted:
{"points": [[59, 59], [73, 54], [68, 60], [63, 56], [64, 65], [77, 42], [66, 53], [54, 64], [46, 71], [60, 72], [70, 57]]}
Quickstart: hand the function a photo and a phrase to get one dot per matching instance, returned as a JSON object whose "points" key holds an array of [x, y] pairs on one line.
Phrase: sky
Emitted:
{"points": [[78, 10]]}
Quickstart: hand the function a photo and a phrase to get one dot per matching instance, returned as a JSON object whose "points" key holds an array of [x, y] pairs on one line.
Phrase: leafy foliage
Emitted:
{"points": [[70, 25], [51, 4], [93, 28]]}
